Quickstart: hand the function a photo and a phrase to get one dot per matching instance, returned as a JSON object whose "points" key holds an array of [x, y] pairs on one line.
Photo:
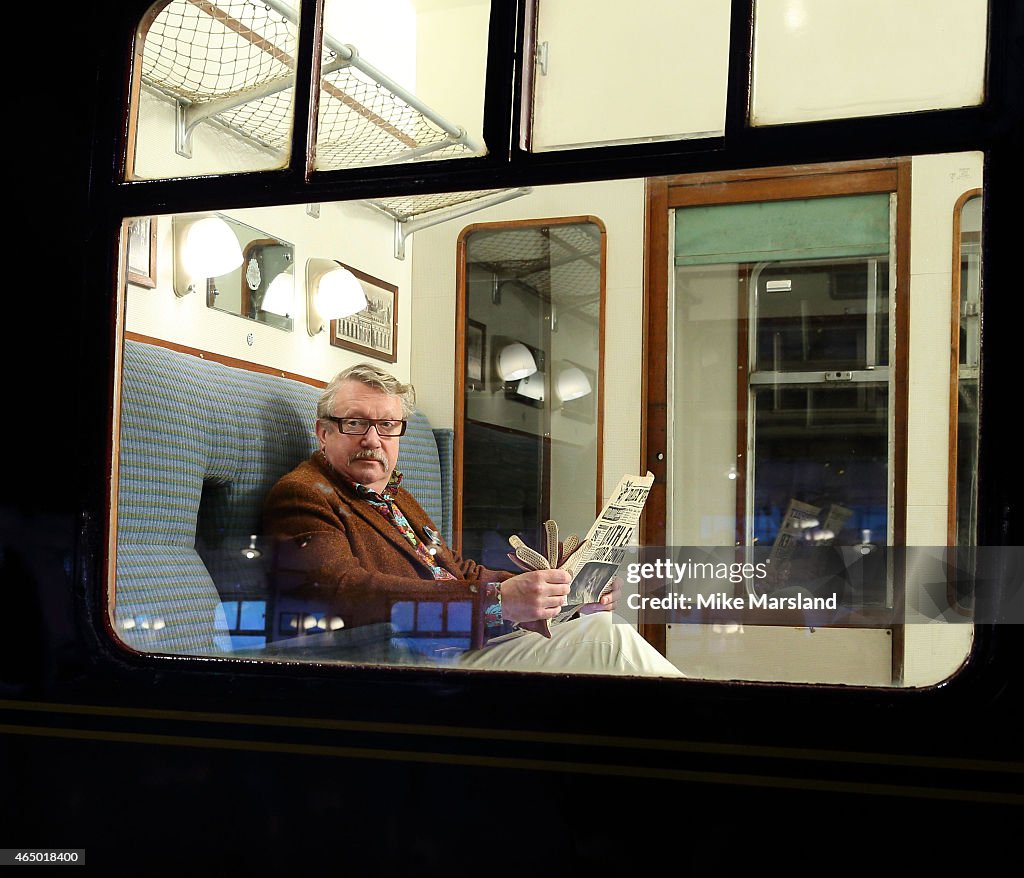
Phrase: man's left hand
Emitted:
{"points": [[607, 602]]}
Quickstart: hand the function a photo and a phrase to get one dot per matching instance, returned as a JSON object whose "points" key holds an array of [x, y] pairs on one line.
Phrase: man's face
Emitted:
{"points": [[368, 459]]}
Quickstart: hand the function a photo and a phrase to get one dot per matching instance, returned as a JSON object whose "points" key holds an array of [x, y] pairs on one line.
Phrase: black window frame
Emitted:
{"points": [[993, 127]]}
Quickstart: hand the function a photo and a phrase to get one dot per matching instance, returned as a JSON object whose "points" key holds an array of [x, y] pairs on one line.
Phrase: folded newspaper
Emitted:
{"points": [[594, 560]]}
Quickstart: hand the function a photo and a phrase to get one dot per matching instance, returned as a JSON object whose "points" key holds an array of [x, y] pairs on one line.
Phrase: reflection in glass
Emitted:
{"points": [[533, 301], [815, 60], [608, 72], [967, 301]]}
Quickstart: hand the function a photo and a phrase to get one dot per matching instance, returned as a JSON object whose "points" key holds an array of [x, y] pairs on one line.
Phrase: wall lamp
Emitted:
{"points": [[572, 383], [332, 292], [204, 248], [278, 299], [515, 361]]}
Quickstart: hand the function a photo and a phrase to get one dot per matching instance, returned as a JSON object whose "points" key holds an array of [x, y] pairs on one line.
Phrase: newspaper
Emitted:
{"points": [[608, 538]]}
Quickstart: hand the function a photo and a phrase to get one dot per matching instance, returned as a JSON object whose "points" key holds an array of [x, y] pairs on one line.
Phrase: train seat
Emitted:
{"points": [[201, 443]]}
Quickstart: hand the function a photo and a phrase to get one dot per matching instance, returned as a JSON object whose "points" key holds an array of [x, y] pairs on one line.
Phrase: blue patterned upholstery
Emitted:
{"points": [[201, 444]]}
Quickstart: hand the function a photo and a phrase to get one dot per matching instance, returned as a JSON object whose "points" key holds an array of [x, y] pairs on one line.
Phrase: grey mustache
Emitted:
{"points": [[370, 454]]}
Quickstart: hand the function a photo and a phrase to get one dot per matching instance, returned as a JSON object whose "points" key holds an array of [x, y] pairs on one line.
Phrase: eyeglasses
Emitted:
{"points": [[361, 426]]}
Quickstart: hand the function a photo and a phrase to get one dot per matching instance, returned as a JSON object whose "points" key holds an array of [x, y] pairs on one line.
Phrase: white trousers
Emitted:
{"points": [[596, 643]]}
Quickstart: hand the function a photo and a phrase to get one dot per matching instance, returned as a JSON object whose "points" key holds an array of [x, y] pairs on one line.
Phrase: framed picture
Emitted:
{"points": [[476, 354], [374, 330], [141, 263]]}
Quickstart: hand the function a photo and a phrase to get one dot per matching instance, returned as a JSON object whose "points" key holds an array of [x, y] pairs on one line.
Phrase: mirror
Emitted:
{"points": [[240, 270], [532, 296]]}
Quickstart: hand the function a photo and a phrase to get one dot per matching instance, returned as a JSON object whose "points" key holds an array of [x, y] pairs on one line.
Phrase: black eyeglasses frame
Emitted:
{"points": [[370, 422]]}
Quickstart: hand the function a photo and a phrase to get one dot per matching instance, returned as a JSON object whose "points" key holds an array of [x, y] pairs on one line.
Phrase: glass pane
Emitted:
{"points": [[826, 449], [533, 292], [401, 81], [822, 316], [608, 72], [969, 371], [832, 60], [785, 424], [214, 88]]}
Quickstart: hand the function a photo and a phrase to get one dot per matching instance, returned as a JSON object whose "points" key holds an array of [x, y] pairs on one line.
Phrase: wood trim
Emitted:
{"points": [[901, 364], [954, 367], [654, 380], [765, 184], [819, 186], [458, 439], [235, 363], [824, 169]]}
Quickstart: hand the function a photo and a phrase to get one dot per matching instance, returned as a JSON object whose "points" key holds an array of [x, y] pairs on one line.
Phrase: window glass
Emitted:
{"points": [[834, 60], [214, 411], [605, 72], [212, 88], [787, 426], [530, 443], [401, 80]]}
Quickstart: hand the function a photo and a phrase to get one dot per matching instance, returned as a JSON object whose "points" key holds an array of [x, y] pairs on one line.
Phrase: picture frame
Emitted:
{"points": [[374, 330], [140, 262], [476, 354]]}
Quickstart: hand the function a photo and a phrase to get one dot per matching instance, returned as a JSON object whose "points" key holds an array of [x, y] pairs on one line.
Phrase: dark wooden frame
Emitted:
{"points": [[382, 288], [146, 277]]}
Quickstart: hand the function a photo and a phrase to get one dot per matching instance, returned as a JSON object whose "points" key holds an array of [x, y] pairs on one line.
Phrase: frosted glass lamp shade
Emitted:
{"points": [[515, 361], [210, 249], [572, 384], [339, 294], [278, 299]]}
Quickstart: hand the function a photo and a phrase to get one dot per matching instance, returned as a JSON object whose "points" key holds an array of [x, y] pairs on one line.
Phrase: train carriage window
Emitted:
{"points": [[385, 93], [815, 60], [202, 67], [773, 344], [605, 83]]}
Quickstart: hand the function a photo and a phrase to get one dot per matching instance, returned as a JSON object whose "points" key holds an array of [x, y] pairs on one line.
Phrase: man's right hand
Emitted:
{"points": [[538, 594]]}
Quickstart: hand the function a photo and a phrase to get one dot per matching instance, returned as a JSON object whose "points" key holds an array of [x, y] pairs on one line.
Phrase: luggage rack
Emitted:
{"points": [[233, 63]]}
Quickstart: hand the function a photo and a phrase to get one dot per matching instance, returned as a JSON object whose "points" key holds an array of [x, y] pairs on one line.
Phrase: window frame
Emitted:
{"points": [[113, 197]]}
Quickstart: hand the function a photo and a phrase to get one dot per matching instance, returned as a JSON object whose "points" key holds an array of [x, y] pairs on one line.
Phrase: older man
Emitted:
{"points": [[353, 541]]}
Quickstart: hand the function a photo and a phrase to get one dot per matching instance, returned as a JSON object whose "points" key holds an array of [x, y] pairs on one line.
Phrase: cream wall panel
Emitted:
{"points": [[849, 656], [830, 59], [348, 232], [647, 70], [935, 652]]}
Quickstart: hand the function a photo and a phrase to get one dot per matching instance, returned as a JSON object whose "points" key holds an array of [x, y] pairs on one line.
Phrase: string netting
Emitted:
{"points": [[217, 53], [404, 207], [363, 123], [567, 255], [203, 52]]}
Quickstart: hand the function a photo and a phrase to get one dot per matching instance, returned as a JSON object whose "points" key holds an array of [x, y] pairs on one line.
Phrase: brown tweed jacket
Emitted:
{"points": [[338, 553]]}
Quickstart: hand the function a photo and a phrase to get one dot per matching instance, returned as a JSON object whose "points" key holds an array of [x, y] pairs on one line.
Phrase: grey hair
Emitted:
{"points": [[371, 376]]}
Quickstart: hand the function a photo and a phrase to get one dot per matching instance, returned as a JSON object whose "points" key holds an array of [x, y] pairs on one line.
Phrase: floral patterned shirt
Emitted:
{"points": [[384, 503]]}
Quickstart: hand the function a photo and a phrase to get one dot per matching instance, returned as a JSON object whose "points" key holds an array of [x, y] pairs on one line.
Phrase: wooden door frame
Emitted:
{"points": [[664, 194]]}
